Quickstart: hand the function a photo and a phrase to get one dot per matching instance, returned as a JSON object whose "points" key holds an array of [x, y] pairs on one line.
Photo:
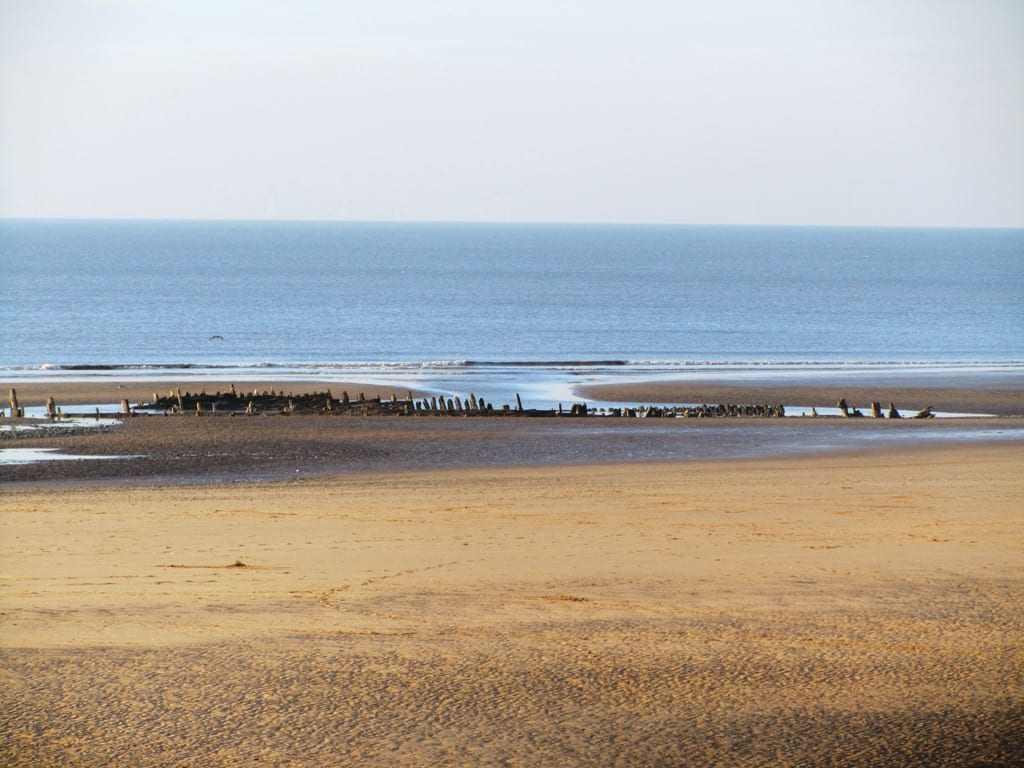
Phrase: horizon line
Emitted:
{"points": [[468, 222]]}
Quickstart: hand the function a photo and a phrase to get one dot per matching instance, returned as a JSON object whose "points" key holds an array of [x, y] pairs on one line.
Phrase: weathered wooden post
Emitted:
{"points": [[15, 412], [842, 406], [51, 407], [519, 402], [876, 410], [472, 401], [177, 396], [893, 413], [125, 408]]}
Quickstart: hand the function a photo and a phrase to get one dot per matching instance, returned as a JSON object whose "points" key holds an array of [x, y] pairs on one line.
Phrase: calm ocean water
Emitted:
{"points": [[491, 306]]}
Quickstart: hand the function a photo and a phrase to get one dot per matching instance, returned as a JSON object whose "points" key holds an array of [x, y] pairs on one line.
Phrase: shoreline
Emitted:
{"points": [[546, 385]]}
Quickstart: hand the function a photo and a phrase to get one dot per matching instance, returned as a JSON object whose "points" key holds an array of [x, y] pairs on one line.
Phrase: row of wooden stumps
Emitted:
{"points": [[54, 412], [232, 402], [271, 401], [705, 411], [876, 411], [266, 401]]}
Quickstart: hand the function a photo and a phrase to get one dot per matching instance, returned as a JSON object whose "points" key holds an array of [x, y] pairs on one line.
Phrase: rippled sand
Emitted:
{"points": [[833, 611]]}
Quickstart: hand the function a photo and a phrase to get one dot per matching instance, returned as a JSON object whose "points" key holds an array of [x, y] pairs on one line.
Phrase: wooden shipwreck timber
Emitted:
{"points": [[271, 401], [235, 403]]}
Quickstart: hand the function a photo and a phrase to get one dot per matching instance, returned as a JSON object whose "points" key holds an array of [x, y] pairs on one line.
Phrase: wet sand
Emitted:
{"points": [[189, 449], [843, 610]]}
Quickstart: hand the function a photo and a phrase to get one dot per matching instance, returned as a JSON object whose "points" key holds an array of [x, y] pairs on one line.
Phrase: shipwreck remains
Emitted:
{"points": [[236, 403], [272, 401]]}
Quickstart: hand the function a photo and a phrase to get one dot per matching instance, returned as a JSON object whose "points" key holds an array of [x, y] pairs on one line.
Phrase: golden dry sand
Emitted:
{"points": [[836, 611]]}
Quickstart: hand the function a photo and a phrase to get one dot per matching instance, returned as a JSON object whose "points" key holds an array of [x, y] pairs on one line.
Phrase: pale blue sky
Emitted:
{"points": [[778, 112]]}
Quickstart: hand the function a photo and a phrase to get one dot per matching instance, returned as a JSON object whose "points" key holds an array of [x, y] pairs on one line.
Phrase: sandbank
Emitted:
{"points": [[841, 610], [994, 399]]}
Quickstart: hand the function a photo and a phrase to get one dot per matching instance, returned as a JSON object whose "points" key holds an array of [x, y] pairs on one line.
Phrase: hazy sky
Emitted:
{"points": [[742, 111]]}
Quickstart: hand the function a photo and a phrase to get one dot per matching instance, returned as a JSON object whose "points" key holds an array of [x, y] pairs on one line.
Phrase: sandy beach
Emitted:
{"points": [[839, 611], [324, 591]]}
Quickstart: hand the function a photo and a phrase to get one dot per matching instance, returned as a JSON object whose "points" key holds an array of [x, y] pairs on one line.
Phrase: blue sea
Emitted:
{"points": [[502, 308]]}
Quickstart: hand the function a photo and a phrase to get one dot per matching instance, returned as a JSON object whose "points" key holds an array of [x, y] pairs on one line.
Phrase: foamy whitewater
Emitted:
{"points": [[497, 309]]}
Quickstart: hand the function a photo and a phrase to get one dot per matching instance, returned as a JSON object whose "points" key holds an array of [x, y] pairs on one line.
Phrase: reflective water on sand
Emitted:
{"points": [[13, 456]]}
